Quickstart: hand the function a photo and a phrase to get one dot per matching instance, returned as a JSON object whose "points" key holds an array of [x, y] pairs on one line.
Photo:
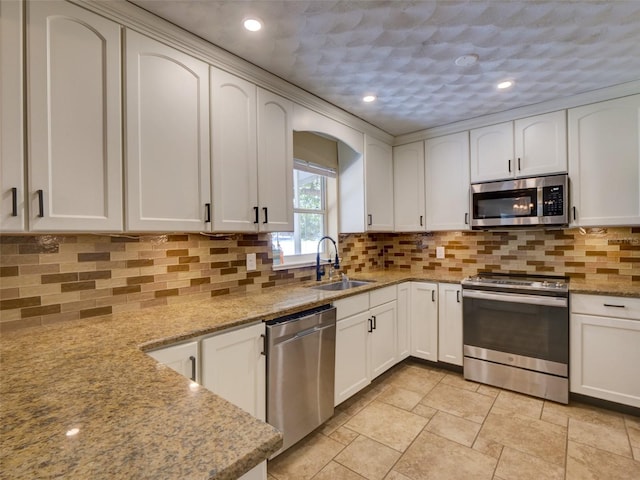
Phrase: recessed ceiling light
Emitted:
{"points": [[467, 60], [252, 24], [369, 98], [505, 84]]}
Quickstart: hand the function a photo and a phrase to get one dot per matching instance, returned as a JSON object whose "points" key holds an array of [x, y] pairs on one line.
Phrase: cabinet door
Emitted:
{"points": [[492, 153], [404, 321], [384, 338], [275, 162], [447, 182], [75, 154], [167, 151], [234, 367], [450, 323], [604, 162], [234, 153], [408, 187], [12, 207], [378, 185], [352, 356], [182, 358], [541, 144], [605, 358], [424, 320]]}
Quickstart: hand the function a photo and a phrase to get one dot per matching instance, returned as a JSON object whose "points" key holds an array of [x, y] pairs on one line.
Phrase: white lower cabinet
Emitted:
{"points": [[605, 348], [424, 320], [450, 323], [404, 320], [366, 340], [234, 367], [183, 358]]}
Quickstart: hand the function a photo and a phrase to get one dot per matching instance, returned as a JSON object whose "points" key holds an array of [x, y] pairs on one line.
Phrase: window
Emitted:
{"points": [[314, 192]]}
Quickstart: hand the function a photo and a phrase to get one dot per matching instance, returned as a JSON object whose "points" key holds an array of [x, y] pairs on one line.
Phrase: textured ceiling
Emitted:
{"points": [[404, 51]]}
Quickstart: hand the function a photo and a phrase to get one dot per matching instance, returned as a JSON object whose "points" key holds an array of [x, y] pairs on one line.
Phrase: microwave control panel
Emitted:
{"points": [[552, 201]]}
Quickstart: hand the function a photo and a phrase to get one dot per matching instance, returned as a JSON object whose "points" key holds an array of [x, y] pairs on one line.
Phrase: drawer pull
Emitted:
{"points": [[614, 306]]}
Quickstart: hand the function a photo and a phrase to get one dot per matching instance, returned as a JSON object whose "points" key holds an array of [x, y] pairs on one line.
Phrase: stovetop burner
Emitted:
{"points": [[506, 281]]}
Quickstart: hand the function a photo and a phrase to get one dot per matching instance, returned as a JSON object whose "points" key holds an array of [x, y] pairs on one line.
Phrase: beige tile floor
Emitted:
{"points": [[417, 422]]}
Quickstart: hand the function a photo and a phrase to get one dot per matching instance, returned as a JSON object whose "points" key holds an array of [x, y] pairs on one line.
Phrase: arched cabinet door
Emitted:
{"points": [[167, 150], [74, 98]]}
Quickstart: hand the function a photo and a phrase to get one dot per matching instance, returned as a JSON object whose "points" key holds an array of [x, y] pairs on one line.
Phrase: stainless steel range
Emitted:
{"points": [[516, 333]]}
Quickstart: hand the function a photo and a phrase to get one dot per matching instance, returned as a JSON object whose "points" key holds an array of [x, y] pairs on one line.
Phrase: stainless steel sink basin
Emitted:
{"points": [[342, 285]]}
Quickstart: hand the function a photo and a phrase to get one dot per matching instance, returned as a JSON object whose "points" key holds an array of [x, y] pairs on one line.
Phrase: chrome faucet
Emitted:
{"points": [[320, 268]]}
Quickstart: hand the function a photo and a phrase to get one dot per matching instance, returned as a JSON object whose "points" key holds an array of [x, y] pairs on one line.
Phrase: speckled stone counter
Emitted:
{"points": [[134, 417]]}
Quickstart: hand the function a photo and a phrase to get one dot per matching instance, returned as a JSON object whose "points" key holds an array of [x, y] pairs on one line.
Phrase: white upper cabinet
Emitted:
{"points": [[234, 153], [252, 157], [524, 148], [74, 98], [604, 162], [492, 152], [275, 162], [167, 150], [12, 206], [378, 185], [408, 187], [541, 144], [447, 182]]}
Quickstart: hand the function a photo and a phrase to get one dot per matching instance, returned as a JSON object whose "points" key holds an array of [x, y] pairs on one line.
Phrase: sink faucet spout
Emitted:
{"points": [[319, 268]]}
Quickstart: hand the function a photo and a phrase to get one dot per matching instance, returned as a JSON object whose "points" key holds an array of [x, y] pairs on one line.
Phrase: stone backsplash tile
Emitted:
{"points": [[55, 278]]}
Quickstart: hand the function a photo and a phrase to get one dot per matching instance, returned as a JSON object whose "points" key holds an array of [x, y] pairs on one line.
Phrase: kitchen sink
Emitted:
{"points": [[342, 285]]}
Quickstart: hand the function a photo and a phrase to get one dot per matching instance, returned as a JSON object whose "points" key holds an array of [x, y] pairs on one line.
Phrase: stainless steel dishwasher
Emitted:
{"points": [[300, 372]]}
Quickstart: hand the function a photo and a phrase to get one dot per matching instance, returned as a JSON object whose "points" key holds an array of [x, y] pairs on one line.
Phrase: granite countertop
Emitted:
{"points": [[135, 417]]}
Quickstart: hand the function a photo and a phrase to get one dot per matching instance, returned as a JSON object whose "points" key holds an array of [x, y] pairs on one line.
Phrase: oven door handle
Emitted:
{"points": [[516, 298]]}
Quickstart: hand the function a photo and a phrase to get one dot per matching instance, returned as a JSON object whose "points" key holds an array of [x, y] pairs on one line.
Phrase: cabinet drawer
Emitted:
{"points": [[382, 295], [351, 305], [606, 306]]}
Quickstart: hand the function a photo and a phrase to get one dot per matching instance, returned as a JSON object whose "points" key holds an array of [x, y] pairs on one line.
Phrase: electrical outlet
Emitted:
{"points": [[439, 252], [251, 262]]}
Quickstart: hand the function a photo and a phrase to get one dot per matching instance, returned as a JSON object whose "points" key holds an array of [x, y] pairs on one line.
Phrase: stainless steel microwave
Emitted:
{"points": [[542, 201]]}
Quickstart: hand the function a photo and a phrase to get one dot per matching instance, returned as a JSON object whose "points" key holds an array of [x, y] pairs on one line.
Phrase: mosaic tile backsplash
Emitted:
{"points": [[53, 278]]}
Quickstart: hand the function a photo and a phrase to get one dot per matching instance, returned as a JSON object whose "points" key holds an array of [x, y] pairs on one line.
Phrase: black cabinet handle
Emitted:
{"points": [[207, 212], [466, 218], [509, 165], [433, 295], [374, 322], [40, 203], [458, 296], [266, 214], [370, 327], [575, 217], [193, 367], [255, 210], [614, 306], [420, 220], [264, 345], [369, 219], [519, 164], [14, 202]]}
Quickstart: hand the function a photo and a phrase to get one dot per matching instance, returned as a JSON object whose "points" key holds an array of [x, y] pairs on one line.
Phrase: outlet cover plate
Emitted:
{"points": [[251, 262], [439, 252]]}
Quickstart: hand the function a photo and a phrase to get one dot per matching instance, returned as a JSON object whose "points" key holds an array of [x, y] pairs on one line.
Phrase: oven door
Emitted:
{"points": [[523, 330]]}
